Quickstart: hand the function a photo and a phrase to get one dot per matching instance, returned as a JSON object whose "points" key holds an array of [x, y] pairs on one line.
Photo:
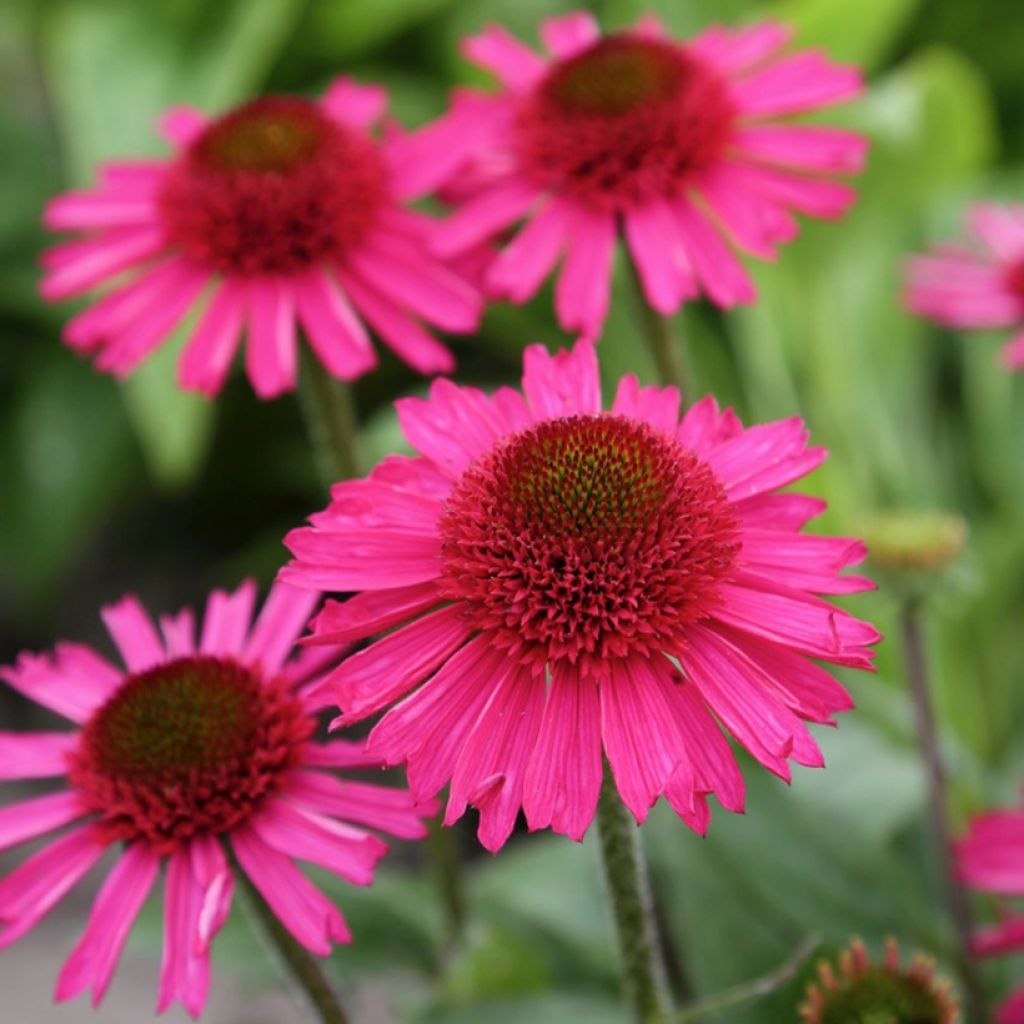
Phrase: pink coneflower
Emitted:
{"points": [[686, 146], [572, 584], [991, 858], [281, 213], [979, 283], [191, 746]]}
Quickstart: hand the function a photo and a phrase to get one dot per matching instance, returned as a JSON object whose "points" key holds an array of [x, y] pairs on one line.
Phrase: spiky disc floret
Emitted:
{"points": [[863, 992], [188, 747], [586, 538], [626, 121], [275, 186]]}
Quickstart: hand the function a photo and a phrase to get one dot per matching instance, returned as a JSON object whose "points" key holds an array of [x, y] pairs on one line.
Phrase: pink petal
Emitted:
{"points": [[804, 561], [35, 755], [32, 818], [73, 681], [705, 427], [563, 777], [522, 265], [659, 254], [333, 328], [483, 216], [514, 63], [133, 632], [1012, 354], [423, 352], [283, 617], [227, 618], [779, 511], [366, 560], [271, 355], [737, 50], [310, 917], [584, 285], [84, 264], [428, 729], [208, 354], [94, 959], [989, 858], [817, 197], [394, 811], [1005, 937], [340, 754], [179, 633], [355, 105], [657, 406], [720, 273], [216, 881], [640, 735], [1011, 1010], [1001, 228], [564, 384], [372, 612], [388, 669], [348, 852], [492, 763], [182, 125], [805, 147], [570, 34], [34, 888], [792, 85], [90, 211], [185, 969]]}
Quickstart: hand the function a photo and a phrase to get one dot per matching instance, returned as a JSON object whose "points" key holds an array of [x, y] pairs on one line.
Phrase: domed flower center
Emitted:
{"points": [[626, 121], [587, 538], [879, 996], [189, 746], [273, 187]]}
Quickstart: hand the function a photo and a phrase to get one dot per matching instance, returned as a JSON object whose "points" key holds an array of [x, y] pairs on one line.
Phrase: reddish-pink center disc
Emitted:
{"points": [[626, 121], [587, 538], [187, 747], [275, 186]]}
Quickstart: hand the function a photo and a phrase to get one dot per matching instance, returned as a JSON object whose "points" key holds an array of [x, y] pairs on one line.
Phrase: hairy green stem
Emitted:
{"points": [[629, 894], [297, 961], [330, 419], [935, 772], [663, 341], [443, 847]]}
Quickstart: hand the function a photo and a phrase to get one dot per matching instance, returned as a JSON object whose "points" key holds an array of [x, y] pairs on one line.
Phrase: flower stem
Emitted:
{"points": [[443, 847], [663, 341], [628, 889], [330, 419], [956, 896], [298, 962]]}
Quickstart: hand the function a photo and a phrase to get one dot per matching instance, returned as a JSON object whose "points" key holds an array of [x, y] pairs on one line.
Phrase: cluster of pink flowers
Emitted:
{"points": [[548, 584]]}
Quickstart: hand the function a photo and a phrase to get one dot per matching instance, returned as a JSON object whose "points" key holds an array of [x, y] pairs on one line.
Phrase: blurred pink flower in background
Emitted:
{"points": [[991, 858], [192, 744], [686, 146], [978, 283], [546, 561], [281, 213]]}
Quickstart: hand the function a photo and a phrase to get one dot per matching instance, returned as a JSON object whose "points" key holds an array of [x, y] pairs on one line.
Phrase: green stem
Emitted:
{"points": [[298, 962], [935, 771], [442, 844], [662, 339], [749, 990], [330, 419], [628, 890]]}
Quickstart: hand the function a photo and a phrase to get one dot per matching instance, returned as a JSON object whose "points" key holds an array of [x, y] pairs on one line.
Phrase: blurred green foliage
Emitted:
{"points": [[106, 487]]}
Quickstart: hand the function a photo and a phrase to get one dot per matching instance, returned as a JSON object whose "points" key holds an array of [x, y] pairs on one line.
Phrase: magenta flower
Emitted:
{"points": [[571, 584], [685, 145], [979, 284], [991, 858], [281, 213], [191, 746]]}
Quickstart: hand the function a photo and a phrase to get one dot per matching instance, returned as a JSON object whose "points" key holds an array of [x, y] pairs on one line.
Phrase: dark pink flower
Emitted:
{"points": [[570, 584], [979, 283], [686, 146], [991, 858], [281, 213], [191, 746]]}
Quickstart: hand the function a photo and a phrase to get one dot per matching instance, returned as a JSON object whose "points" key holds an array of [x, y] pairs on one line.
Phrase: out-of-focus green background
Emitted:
{"points": [[107, 487]]}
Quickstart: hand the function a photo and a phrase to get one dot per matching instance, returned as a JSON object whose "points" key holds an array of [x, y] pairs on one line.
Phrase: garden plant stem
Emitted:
{"points": [[330, 420], [663, 341], [628, 891], [299, 963], [956, 896]]}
